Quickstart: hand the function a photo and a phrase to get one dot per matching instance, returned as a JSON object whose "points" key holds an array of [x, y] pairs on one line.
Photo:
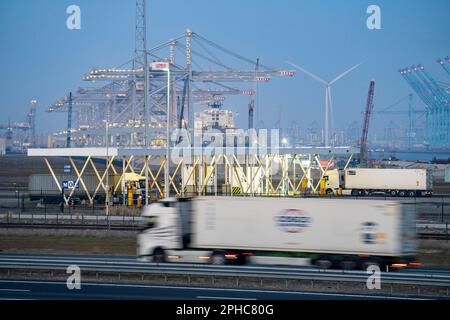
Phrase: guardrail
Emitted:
{"points": [[117, 267], [85, 226], [429, 209], [67, 220], [136, 227]]}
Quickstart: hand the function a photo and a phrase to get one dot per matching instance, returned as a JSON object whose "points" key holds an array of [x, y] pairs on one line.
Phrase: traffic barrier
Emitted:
{"points": [[237, 190]]}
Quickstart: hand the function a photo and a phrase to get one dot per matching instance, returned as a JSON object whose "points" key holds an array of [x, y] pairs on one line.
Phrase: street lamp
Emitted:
{"points": [[107, 164], [165, 66]]}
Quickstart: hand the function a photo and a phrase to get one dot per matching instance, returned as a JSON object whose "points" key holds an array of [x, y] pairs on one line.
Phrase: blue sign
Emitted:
{"points": [[70, 184]]}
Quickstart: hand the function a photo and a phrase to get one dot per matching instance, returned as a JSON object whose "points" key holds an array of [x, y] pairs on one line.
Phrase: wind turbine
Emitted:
{"points": [[328, 100]]}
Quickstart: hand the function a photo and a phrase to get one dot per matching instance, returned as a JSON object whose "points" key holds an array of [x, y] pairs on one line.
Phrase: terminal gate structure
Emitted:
{"points": [[289, 172]]}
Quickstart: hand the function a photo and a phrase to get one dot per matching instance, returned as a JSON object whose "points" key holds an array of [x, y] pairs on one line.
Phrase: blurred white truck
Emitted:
{"points": [[338, 233], [393, 182]]}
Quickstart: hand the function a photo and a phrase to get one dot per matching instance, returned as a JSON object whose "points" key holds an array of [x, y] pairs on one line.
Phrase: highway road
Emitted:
{"points": [[54, 290], [23, 289]]}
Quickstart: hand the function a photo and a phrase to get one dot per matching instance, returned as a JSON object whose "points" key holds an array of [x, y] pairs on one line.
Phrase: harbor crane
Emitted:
{"points": [[365, 131], [251, 105], [445, 65], [202, 80], [436, 97], [411, 112]]}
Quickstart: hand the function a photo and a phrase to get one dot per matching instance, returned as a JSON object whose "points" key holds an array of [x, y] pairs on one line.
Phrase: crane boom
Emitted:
{"points": [[365, 131]]}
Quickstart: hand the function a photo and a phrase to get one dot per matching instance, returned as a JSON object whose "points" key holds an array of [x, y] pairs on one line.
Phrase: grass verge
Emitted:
{"points": [[68, 242]]}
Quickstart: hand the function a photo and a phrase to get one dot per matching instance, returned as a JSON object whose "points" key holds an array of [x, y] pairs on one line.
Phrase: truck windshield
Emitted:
{"points": [[149, 222]]}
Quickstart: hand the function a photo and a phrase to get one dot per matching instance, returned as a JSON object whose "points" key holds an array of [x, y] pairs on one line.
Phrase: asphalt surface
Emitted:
{"points": [[57, 290], [53, 290]]}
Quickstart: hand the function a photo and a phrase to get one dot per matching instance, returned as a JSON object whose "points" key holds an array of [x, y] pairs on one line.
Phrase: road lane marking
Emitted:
{"points": [[17, 290]]}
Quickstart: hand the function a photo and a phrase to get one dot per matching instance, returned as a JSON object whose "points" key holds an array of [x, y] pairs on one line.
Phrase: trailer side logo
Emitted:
{"points": [[370, 233], [293, 220]]}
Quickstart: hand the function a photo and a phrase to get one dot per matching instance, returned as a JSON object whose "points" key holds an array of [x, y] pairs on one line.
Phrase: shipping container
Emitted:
{"points": [[44, 186], [394, 182]]}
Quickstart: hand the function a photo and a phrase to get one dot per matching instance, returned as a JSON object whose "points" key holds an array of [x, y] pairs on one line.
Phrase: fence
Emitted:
{"points": [[21, 210], [19, 206]]}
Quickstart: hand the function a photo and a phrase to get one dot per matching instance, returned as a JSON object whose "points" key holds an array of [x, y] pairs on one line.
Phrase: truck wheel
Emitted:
{"points": [[411, 194], [323, 263], [366, 264], [402, 193], [330, 191], [217, 258], [241, 260], [348, 265], [159, 256], [393, 193]]}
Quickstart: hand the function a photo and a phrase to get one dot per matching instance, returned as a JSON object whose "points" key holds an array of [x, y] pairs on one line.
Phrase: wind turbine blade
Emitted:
{"points": [[312, 75], [343, 74]]}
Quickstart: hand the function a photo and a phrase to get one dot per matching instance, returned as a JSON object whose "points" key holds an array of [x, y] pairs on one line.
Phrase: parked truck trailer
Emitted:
{"points": [[368, 181], [44, 186], [339, 233]]}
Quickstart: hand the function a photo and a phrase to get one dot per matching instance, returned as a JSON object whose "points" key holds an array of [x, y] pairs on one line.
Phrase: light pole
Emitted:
{"points": [[165, 66], [146, 113], [107, 171], [166, 173]]}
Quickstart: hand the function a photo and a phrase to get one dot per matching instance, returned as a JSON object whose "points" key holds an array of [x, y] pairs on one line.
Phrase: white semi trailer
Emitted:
{"points": [[367, 181], [338, 233]]}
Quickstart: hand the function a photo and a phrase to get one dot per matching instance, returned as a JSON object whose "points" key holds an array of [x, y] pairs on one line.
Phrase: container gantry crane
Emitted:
{"points": [[436, 97], [411, 112], [444, 65], [191, 84], [135, 94]]}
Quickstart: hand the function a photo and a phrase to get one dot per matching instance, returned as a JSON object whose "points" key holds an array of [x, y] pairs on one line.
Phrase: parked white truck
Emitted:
{"points": [[393, 182], [338, 233]]}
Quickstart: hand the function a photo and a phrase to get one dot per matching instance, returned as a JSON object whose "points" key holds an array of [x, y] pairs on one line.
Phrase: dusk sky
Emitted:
{"points": [[43, 60]]}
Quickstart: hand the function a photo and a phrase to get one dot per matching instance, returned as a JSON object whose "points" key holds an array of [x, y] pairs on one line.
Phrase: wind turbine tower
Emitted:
{"points": [[328, 101]]}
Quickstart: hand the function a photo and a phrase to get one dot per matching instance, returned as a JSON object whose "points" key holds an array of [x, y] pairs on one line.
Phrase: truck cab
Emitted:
{"points": [[160, 228], [166, 232], [333, 180]]}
